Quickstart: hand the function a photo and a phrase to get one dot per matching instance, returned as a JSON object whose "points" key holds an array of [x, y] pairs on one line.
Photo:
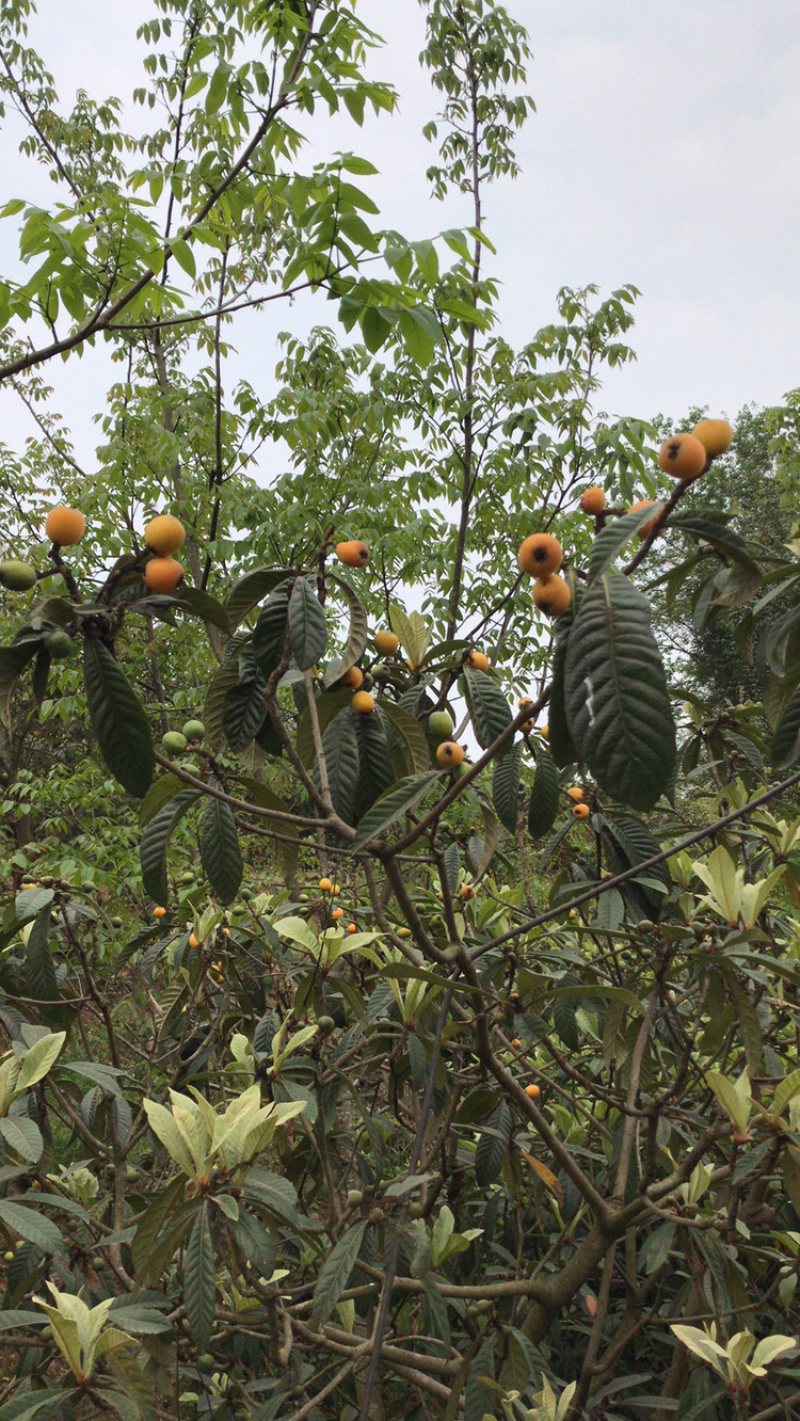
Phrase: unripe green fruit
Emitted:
{"points": [[132, 1174], [326, 1023], [193, 730], [59, 645], [9, 1257], [205, 1363], [174, 741], [17, 576], [415, 1211], [440, 725], [116, 922], [354, 1198], [187, 877], [98, 1263], [367, 683]]}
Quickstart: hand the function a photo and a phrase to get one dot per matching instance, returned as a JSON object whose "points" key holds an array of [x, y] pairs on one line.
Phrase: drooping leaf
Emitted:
{"points": [[334, 1274], [201, 604], [480, 1399], [249, 590], [340, 752], [785, 747], [199, 1282], [40, 972], [328, 705], [409, 733], [160, 791], [357, 637], [711, 527], [243, 713], [489, 710], [308, 627], [222, 682], [401, 799], [23, 1136], [220, 851], [544, 800], [153, 846], [120, 724], [13, 660], [32, 1225], [493, 1145], [269, 633], [505, 787], [629, 842], [376, 772], [618, 708]]}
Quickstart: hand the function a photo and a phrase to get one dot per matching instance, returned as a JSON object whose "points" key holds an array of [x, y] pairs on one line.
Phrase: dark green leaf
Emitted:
{"points": [[120, 724], [480, 1400], [220, 852], [159, 792], [505, 787], [36, 1405], [201, 604], [32, 1225], [249, 590], [376, 772], [489, 710], [40, 972], [340, 752], [559, 738], [408, 732], [153, 847], [785, 747], [222, 682], [269, 633], [334, 1274], [199, 1284], [566, 1023], [618, 707], [493, 1145], [544, 800], [41, 673], [266, 799], [399, 800], [307, 625], [328, 705], [243, 713], [13, 660]]}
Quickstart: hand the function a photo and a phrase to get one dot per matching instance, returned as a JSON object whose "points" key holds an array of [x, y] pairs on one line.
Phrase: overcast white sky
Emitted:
{"points": [[665, 152]]}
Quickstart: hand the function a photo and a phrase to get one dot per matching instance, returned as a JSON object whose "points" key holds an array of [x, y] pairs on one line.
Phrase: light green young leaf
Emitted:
{"points": [[38, 1061]]}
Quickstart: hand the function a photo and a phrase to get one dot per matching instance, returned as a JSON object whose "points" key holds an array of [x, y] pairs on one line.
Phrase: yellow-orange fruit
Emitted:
{"points": [[544, 731], [516, 1043], [353, 678], [165, 534], [352, 554], [478, 660], [450, 754], [467, 892], [325, 885], [162, 574], [363, 703], [593, 500], [159, 912], [682, 456], [65, 526], [576, 793], [525, 701], [533, 1092], [540, 555], [551, 595], [715, 435], [634, 508], [337, 913], [351, 928], [581, 811], [335, 890], [386, 643]]}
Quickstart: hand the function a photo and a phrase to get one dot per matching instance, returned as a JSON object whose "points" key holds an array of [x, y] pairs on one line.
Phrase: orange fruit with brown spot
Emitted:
{"points": [[162, 574], [353, 554], [715, 435], [593, 500], [551, 595], [467, 892], [581, 811], [682, 456], [65, 526], [450, 754], [478, 660], [353, 678], [363, 703], [540, 555], [164, 534], [635, 507]]}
